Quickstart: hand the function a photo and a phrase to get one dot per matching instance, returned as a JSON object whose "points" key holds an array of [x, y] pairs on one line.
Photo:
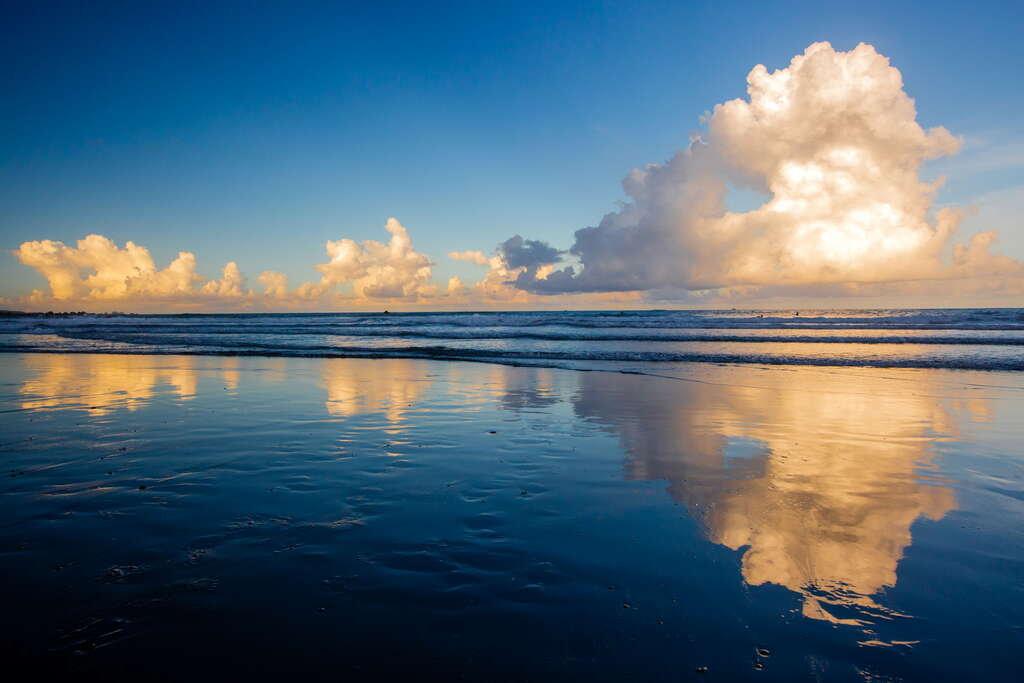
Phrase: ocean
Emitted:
{"points": [[631, 341]]}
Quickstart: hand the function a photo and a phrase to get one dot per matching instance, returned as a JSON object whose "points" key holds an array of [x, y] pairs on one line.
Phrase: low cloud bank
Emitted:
{"points": [[96, 270], [97, 274]]}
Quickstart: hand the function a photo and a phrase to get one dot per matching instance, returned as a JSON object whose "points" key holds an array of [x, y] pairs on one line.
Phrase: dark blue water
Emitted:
{"points": [[188, 517], [978, 339]]}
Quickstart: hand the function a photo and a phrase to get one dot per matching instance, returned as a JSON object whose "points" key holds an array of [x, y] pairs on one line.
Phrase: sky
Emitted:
{"points": [[336, 156]]}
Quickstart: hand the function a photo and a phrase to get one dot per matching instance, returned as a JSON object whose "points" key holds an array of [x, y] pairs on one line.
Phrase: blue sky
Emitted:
{"points": [[256, 132]]}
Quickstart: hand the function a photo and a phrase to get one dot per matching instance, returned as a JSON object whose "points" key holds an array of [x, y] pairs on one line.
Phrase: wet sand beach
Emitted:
{"points": [[172, 517]]}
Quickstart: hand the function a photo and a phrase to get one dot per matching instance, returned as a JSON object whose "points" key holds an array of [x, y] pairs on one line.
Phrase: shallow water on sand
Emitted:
{"points": [[174, 516]]}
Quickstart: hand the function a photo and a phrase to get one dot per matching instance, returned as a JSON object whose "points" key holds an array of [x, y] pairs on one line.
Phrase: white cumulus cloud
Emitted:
{"points": [[833, 142], [96, 268], [376, 269]]}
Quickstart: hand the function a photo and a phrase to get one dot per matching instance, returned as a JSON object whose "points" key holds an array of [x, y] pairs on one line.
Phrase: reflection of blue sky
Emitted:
{"points": [[744, 457]]}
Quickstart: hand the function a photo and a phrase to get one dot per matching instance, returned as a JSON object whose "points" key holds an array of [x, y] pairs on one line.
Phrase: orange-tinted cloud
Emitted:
{"points": [[98, 269], [378, 270], [97, 274]]}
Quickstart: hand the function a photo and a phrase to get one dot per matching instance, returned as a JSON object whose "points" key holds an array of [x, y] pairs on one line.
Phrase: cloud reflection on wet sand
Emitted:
{"points": [[818, 483]]}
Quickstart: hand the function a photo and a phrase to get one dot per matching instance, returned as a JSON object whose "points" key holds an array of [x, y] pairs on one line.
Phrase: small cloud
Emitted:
{"points": [[378, 270]]}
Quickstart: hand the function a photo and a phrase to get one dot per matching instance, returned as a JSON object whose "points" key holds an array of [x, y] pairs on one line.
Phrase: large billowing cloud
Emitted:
{"points": [[833, 143]]}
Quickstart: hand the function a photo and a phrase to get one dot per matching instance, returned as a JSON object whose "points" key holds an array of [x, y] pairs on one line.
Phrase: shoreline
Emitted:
{"points": [[574, 364]]}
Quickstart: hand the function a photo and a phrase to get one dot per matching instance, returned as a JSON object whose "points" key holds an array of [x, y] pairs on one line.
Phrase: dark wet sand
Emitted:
{"points": [[170, 518]]}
